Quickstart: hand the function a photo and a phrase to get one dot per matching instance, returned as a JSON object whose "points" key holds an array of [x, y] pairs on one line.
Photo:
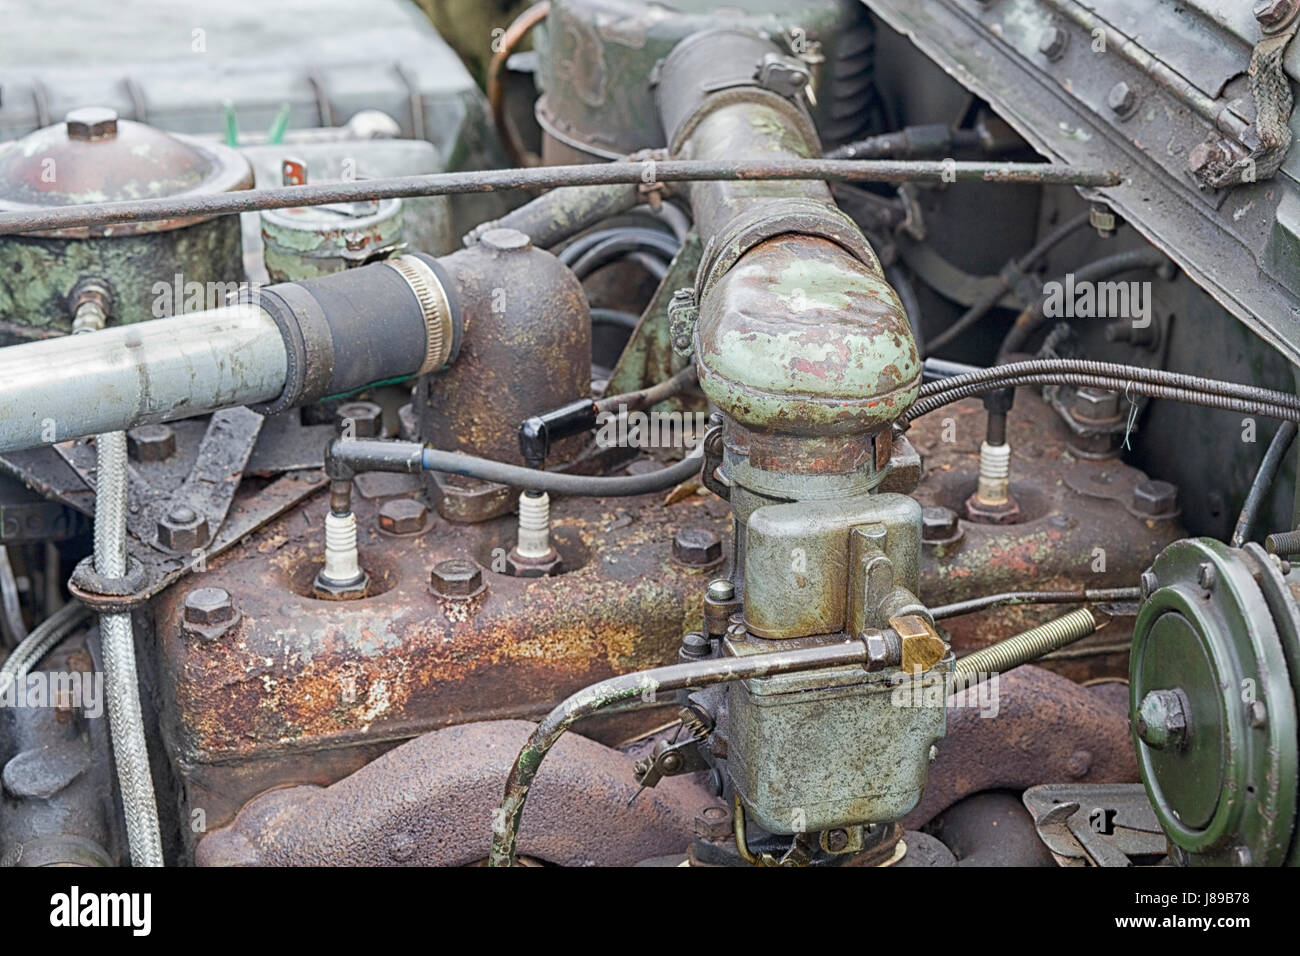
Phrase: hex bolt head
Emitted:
{"points": [[1207, 576], [208, 613], [1096, 404], [877, 650], [403, 516], [1257, 714], [1273, 13], [938, 524], [713, 823], [697, 547], [1155, 499], [505, 240], [151, 443], [183, 529], [1122, 99], [367, 419], [1162, 719], [91, 123], [456, 578], [1052, 43]]}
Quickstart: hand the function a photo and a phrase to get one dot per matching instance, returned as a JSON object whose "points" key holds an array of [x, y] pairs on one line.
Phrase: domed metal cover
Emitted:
{"points": [[96, 157]]}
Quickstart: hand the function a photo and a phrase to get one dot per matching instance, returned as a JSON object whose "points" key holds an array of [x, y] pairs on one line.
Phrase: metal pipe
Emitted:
{"points": [[649, 172], [129, 375], [1027, 646], [1013, 598], [645, 689]]}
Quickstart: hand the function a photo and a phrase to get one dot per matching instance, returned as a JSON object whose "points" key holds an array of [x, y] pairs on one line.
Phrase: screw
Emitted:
{"points": [[367, 419], [1241, 856], [1285, 543], [90, 123], [1204, 156], [878, 656], [456, 578], [183, 529], [1096, 404], [934, 753], [1122, 100], [151, 442], [403, 516], [1052, 43], [938, 524], [1102, 218], [208, 613], [697, 547], [1162, 719], [694, 646], [836, 841], [1155, 499], [1148, 584], [721, 590], [1207, 576]]}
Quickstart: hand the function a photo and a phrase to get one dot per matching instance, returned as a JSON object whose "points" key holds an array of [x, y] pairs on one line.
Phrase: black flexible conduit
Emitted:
{"points": [[1268, 469]]}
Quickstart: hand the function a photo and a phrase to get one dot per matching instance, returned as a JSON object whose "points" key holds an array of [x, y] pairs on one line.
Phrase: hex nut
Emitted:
{"points": [[697, 547], [367, 419], [456, 578], [1162, 719], [1052, 43], [713, 823], [1154, 499], [183, 529], [403, 516], [1207, 576], [91, 122], [1272, 14], [877, 650], [518, 566], [1148, 584], [151, 443]]}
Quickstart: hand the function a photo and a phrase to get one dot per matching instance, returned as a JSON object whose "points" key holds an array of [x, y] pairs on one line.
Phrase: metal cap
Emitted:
{"points": [[96, 157]]}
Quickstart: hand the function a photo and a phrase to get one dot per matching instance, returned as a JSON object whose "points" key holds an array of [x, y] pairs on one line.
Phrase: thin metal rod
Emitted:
{"points": [[644, 688], [547, 177], [1012, 598]]}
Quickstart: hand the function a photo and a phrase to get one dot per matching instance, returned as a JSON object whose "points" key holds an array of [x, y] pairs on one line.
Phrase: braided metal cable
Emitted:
{"points": [[121, 684], [43, 639]]}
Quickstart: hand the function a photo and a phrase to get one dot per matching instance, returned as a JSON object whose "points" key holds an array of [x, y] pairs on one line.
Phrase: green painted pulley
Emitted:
{"points": [[1213, 690]]}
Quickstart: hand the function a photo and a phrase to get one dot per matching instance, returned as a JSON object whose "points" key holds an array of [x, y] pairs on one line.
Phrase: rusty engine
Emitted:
{"points": [[814, 433]]}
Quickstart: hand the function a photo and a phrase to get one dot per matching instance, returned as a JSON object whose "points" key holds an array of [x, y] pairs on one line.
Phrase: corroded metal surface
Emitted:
{"points": [[430, 802], [1031, 726], [1067, 538], [299, 675]]}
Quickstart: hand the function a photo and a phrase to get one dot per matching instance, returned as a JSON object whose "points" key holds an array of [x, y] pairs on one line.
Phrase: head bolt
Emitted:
{"points": [[1052, 43], [697, 547], [938, 524], [456, 578], [1207, 576], [1096, 404], [1273, 14], [695, 646], [208, 613], [1155, 499], [403, 516], [366, 418], [1122, 99], [1162, 719], [151, 443]]}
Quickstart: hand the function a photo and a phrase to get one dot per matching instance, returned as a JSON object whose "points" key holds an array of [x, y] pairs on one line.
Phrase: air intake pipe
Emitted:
{"points": [[284, 345], [800, 341]]}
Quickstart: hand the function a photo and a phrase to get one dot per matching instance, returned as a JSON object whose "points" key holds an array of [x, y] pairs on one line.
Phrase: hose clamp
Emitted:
{"points": [[435, 309]]}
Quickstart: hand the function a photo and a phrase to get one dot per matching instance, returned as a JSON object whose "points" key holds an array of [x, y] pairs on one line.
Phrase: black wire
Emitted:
{"points": [[1268, 469]]}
